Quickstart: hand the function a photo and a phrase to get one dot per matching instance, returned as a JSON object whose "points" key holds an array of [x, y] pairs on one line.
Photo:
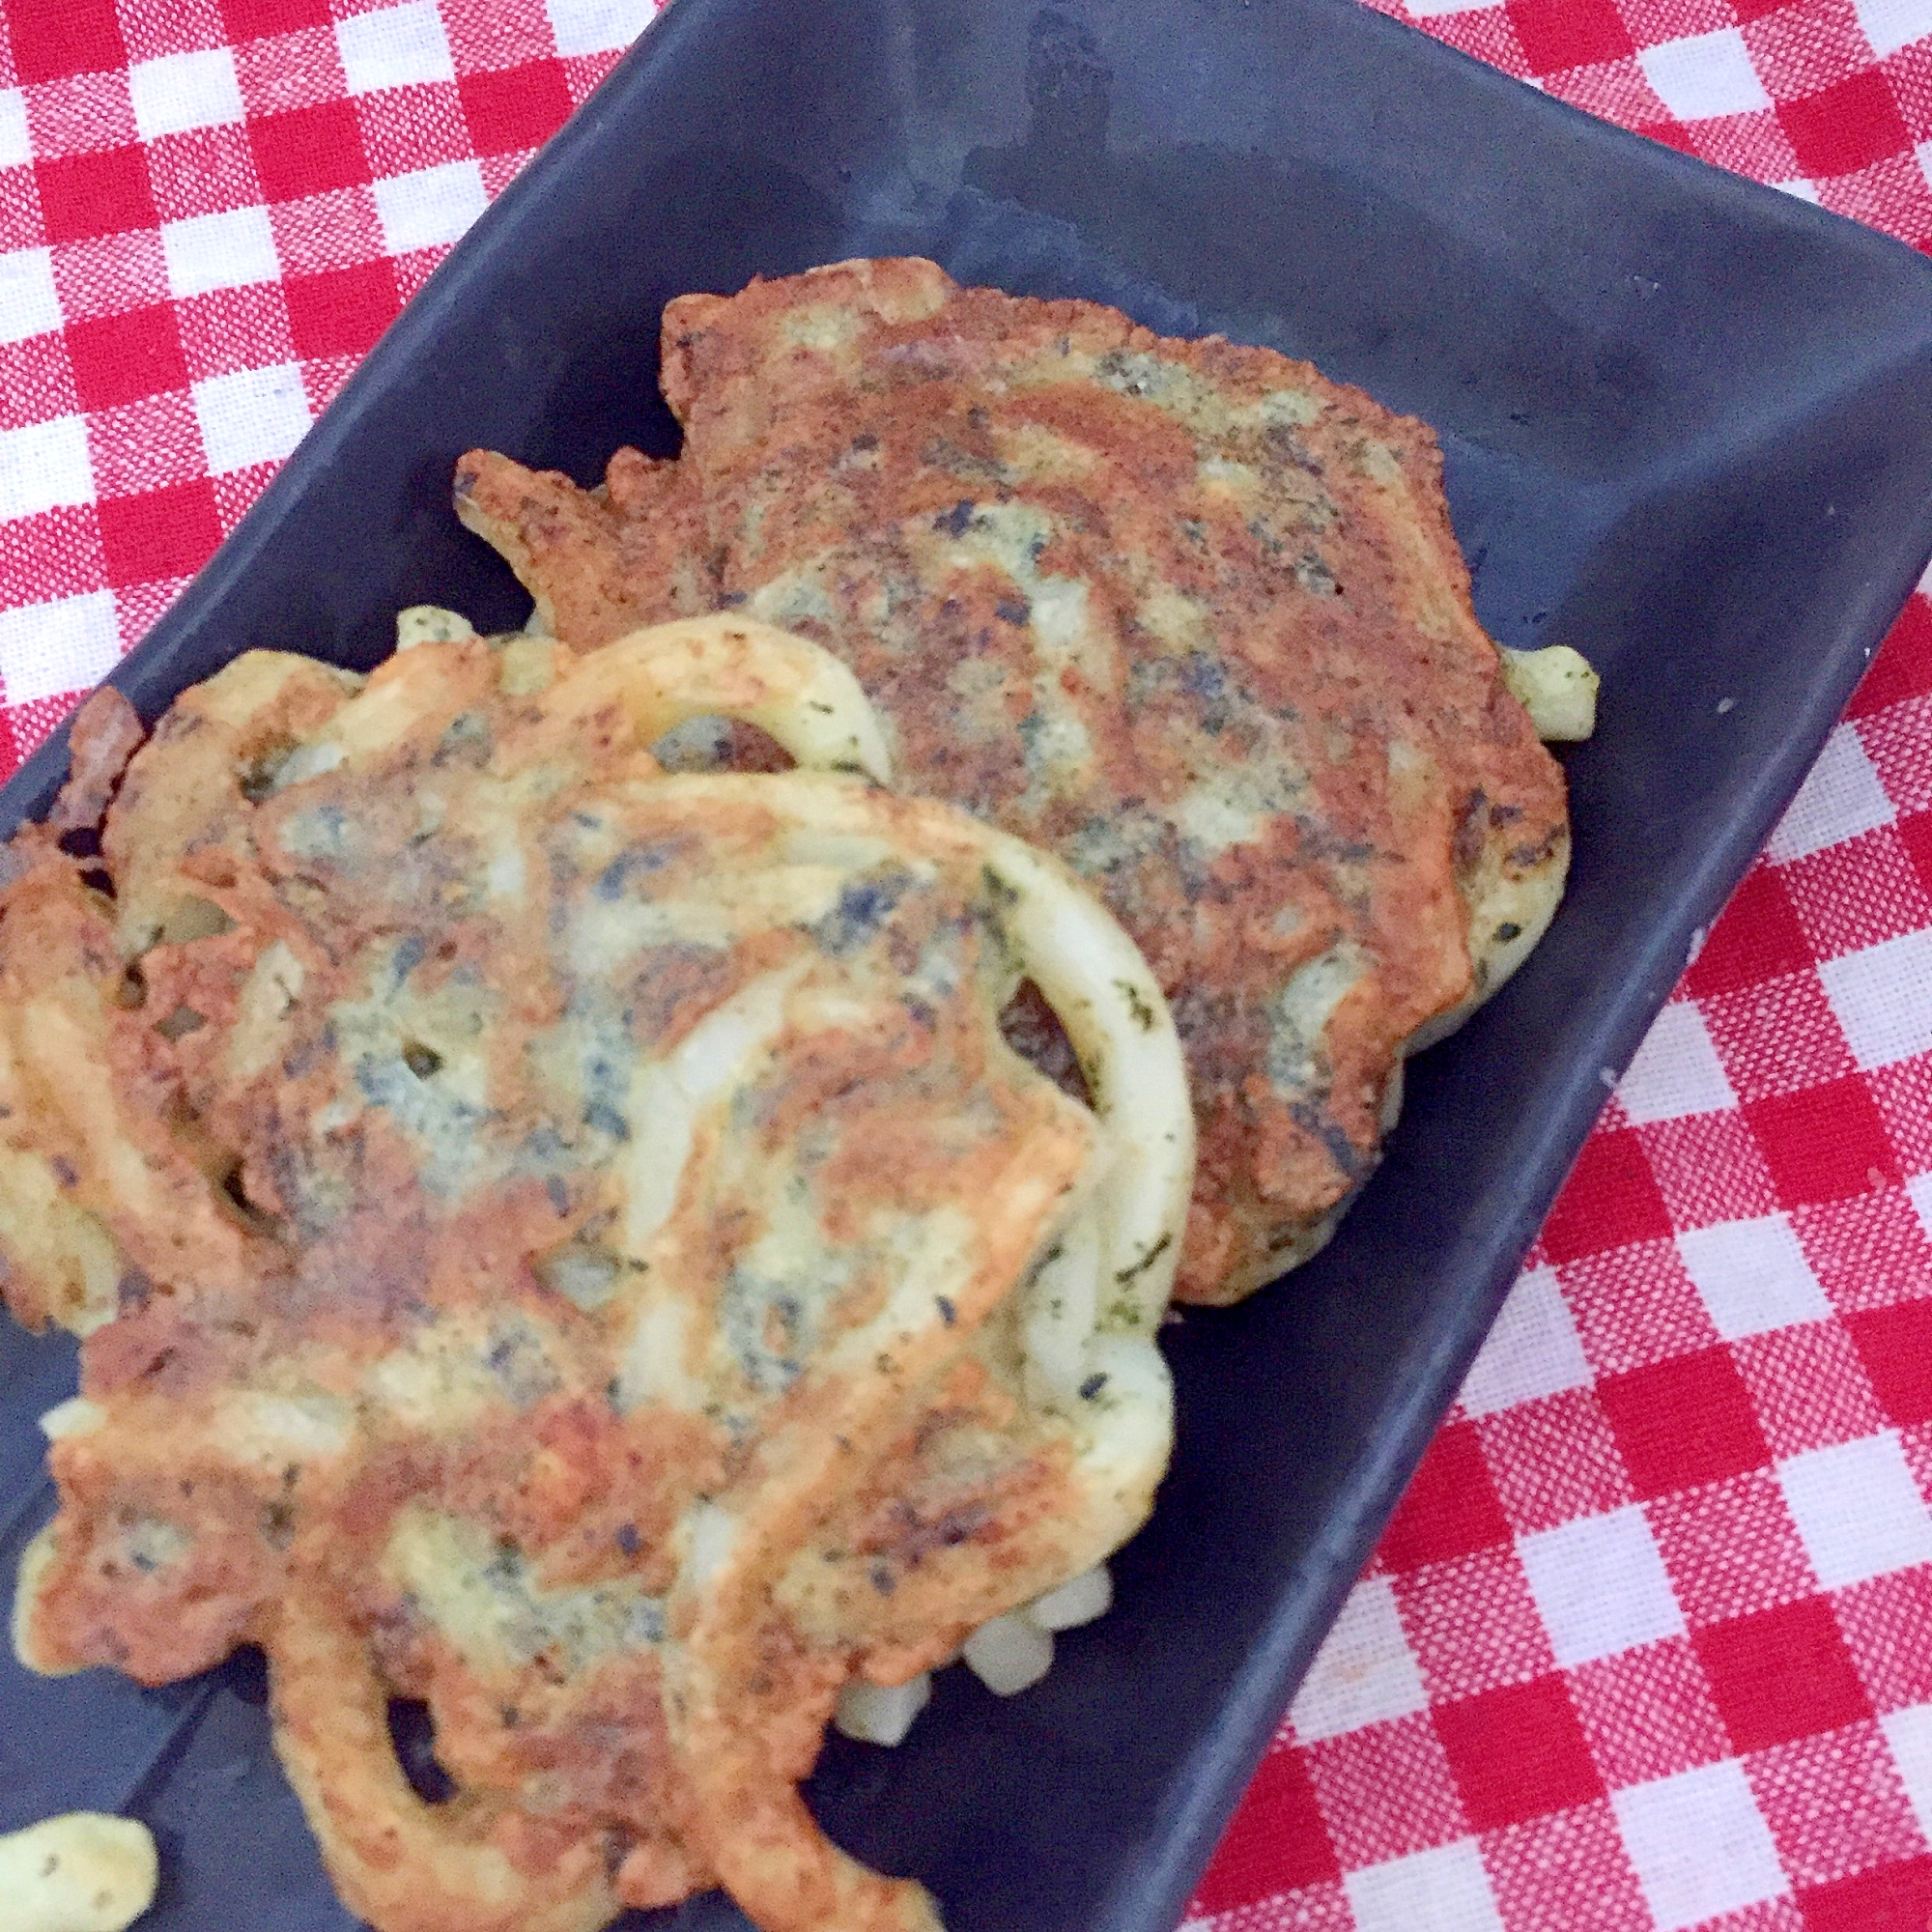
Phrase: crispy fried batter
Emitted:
{"points": [[607, 560], [1184, 612], [577, 1251]]}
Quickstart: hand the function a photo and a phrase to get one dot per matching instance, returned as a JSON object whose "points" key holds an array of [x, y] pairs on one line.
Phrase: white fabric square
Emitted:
{"points": [[431, 207], [1840, 798], [597, 26], [1858, 1510], [1891, 24], [1429, 9], [29, 302], [1600, 1586], [1441, 1890], [1919, 1191], [182, 90], [219, 251], [67, 645], [1883, 997], [43, 466], [1676, 1071], [399, 47], [1909, 1733], [1699, 1844], [1705, 75], [1798, 190], [1532, 1351], [255, 415], [1365, 1672], [1753, 1276], [16, 147]]}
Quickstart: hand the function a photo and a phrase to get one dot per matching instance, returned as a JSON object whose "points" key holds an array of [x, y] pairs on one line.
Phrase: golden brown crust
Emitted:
{"points": [[638, 536], [572, 1232], [1185, 613]]}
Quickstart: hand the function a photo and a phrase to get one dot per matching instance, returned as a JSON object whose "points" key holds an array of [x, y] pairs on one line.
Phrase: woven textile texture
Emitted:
{"points": [[1649, 1643]]}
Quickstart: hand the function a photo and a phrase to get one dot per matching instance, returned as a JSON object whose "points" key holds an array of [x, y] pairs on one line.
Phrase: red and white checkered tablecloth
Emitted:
{"points": [[1649, 1643]]}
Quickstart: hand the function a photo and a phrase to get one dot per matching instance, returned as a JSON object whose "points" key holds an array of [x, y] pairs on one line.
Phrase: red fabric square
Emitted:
{"points": [[1610, 1200], [1756, 10], [1560, 34], [1553, 1461], [1846, 127], [54, 38], [1276, 1840], [54, 555], [1472, 1624], [145, 445], [1517, 1753], [1867, 1252], [308, 150], [404, 128], [1450, 1507], [84, 195], [1751, 143], [121, 357], [1647, 1713], [110, 274], [1385, 1791], [1808, 1387], [1636, 1306], [343, 312], [1824, 1143], [1903, 1093], [1730, 1549], [202, 171], [1888, 1898], [519, 108], [168, 532], [155, 28], [1834, 1803], [1914, 834], [236, 328], [1777, 1036], [1859, 893], [1893, 191], [36, 385], [236, 491], [1707, 1169], [1782, 1674], [1896, 1346], [490, 34], [1903, 666], [256, 19], [1757, 937], [1684, 1421], [1565, 1872], [80, 115], [1668, 134], [1888, 1623]]}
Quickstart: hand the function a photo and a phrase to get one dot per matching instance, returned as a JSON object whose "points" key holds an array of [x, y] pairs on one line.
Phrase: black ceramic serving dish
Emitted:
{"points": [[1688, 426]]}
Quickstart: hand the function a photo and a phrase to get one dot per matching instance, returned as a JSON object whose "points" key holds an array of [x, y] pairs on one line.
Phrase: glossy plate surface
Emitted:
{"points": [[1688, 425]]}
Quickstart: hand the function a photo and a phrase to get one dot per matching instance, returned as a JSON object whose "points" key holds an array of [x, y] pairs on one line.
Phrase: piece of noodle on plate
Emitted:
{"points": [[566, 1253]]}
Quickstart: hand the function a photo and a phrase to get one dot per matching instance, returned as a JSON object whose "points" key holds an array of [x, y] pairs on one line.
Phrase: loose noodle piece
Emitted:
{"points": [[586, 1258], [81, 1872]]}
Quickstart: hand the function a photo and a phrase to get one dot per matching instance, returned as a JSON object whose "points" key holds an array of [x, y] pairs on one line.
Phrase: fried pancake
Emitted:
{"points": [[570, 1245], [1184, 614]]}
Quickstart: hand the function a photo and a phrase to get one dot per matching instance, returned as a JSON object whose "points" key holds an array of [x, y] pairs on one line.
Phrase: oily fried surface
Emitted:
{"points": [[552, 1236], [604, 561], [1184, 612]]}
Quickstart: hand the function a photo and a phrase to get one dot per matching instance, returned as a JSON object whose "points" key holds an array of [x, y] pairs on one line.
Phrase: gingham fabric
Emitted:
{"points": [[1649, 1643]]}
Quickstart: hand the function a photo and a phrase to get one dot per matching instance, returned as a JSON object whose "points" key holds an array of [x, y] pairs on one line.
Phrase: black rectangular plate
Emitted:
{"points": [[1688, 425]]}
